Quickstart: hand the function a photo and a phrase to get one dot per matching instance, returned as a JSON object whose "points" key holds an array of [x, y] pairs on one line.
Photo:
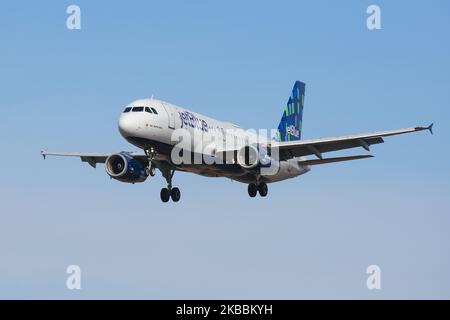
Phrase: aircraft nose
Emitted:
{"points": [[127, 125]]}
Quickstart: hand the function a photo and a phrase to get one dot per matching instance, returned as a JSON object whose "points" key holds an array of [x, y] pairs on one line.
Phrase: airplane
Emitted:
{"points": [[256, 160]]}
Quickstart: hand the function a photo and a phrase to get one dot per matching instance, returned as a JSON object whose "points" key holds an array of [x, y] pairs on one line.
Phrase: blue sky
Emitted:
{"points": [[313, 237]]}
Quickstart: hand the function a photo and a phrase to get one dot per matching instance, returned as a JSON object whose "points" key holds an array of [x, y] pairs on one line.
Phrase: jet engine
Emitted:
{"points": [[256, 157], [125, 168]]}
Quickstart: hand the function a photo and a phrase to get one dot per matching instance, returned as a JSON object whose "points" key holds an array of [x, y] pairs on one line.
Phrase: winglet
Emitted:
{"points": [[43, 153], [430, 128]]}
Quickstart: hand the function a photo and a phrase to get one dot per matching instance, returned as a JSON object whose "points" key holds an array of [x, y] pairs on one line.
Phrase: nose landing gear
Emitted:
{"points": [[150, 170]]}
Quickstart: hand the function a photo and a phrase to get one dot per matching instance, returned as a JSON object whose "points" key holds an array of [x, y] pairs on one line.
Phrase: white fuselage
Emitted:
{"points": [[158, 125]]}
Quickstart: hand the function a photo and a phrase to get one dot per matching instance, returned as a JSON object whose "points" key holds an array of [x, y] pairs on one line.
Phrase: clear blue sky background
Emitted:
{"points": [[313, 237]]}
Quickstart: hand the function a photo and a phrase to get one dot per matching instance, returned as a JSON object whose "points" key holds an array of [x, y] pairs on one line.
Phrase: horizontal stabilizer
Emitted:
{"points": [[331, 160]]}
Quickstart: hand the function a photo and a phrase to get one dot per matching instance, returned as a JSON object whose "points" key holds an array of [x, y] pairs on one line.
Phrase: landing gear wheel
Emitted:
{"points": [[165, 194], [175, 194], [252, 190], [263, 190]]}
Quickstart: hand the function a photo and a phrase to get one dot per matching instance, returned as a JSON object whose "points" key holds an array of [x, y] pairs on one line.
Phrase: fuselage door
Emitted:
{"points": [[170, 114]]}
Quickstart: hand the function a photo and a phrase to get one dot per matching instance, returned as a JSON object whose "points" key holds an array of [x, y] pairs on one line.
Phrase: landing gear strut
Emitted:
{"points": [[169, 192], [262, 188]]}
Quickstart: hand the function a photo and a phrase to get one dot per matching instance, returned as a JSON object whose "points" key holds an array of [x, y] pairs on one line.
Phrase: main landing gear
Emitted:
{"points": [[253, 189], [169, 192]]}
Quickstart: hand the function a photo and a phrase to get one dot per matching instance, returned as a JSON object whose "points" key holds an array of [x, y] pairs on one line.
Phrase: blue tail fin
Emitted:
{"points": [[290, 127]]}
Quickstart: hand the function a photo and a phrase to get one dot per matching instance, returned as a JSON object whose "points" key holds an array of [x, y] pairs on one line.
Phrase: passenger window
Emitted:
{"points": [[127, 109], [138, 109], [147, 109], [154, 111]]}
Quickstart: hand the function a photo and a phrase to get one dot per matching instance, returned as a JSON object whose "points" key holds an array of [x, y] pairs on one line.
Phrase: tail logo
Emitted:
{"points": [[293, 131]]}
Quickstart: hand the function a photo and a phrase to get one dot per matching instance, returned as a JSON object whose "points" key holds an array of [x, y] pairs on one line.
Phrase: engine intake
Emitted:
{"points": [[125, 168], [254, 157]]}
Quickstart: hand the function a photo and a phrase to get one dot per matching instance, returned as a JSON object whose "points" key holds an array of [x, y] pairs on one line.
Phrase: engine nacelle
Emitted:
{"points": [[125, 168], [255, 157]]}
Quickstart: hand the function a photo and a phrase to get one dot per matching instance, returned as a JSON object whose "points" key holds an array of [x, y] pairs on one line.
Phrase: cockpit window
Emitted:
{"points": [[138, 109], [147, 109], [128, 109], [154, 111]]}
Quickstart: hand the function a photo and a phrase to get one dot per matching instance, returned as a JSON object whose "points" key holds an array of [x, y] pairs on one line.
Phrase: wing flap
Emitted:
{"points": [[313, 162]]}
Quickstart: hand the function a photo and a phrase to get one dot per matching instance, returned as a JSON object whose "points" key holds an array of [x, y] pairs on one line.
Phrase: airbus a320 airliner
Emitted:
{"points": [[225, 149]]}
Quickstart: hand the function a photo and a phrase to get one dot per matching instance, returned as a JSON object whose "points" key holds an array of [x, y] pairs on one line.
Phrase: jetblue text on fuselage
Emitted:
{"points": [[189, 119]]}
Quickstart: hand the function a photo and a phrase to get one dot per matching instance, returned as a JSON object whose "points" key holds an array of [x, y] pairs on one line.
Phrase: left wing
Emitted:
{"points": [[291, 149]]}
